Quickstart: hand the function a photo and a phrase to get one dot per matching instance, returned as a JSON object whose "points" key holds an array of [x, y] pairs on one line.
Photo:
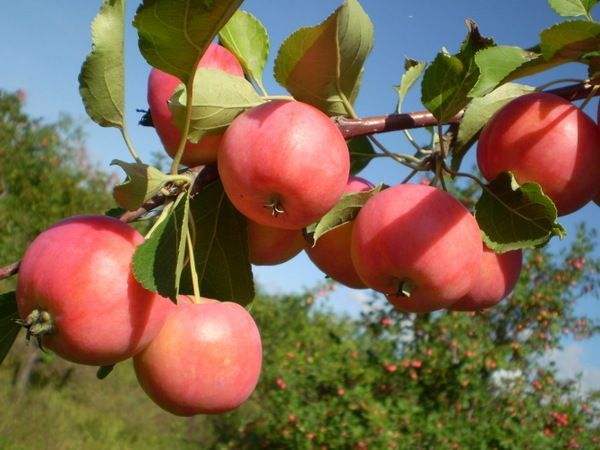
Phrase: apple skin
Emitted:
{"points": [[268, 246], [205, 360], [331, 253], [161, 87], [498, 276], [597, 199], [419, 234], [545, 139], [79, 271], [266, 154]]}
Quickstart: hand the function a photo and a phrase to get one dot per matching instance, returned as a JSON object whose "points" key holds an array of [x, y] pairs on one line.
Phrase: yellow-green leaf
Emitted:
{"points": [[322, 64], [102, 76]]}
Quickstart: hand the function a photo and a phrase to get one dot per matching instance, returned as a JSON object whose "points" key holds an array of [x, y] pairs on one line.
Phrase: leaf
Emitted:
{"points": [[115, 212], [218, 98], [158, 262], [572, 8], [413, 70], [570, 40], [495, 64], [9, 329], [174, 34], [449, 78], [247, 38], [346, 209], [513, 217], [220, 248], [361, 152], [321, 65], [478, 113], [143, 182], [104, 371], [102, 76]]}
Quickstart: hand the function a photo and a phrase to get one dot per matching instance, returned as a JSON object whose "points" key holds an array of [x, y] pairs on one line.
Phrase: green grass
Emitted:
{"points": [[89, 414]]}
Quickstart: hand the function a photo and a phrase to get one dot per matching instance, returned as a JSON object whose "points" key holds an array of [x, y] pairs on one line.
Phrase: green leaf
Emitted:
{"points": [[321, 65], [496, 64], [572, 8], [346, 209], [478, 113], [220, 248], [449, 78], [115, 212], [104, 371], [361, 153], [413, 70], [142, 183], [247, 38], [8, 327], [158, 262], [512, 217], [218, 98], [174, 34], [102, 76], [570, 40]]}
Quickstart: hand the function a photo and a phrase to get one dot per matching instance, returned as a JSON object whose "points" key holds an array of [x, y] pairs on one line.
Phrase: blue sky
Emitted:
{"points": [[45, 42]]}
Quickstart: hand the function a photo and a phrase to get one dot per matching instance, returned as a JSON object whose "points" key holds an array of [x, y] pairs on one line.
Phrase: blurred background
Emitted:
{"points": [[341, 369]]}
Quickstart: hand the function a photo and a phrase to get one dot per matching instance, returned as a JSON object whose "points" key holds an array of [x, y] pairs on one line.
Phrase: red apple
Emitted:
{"points": [[545, 139], [79, 273], [498, 275], [161, 87], [269, 246], [420, 239], [206, 359], [266, 155], [331, 253]]}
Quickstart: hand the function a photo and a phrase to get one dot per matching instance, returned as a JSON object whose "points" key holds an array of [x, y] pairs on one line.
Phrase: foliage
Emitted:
{"points": [[45, 175]]}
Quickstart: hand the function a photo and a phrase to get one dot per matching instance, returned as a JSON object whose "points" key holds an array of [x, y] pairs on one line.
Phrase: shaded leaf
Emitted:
{"points": [[218, 98], [8, 327], [102, 76], [512, 217], [158, 262], [496, 64], [142, 183], [346, 209], [449, 78], [247, 38], [220, 248], [319, 65], [478, 113], [104, 371], [572, 8], [413, 70], [570, 40], [115, 212], [174, 34], [361, 152]]}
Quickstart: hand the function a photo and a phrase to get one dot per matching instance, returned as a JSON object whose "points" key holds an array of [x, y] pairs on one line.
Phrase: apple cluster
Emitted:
{"points": [[284, 164]]}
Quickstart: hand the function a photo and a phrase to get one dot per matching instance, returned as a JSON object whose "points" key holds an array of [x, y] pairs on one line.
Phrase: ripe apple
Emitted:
{"points": [[497, 278], [545, 139], [331, 253], [419, 239], [268, 246], [283, 164], [206, 359], [161, 87], [79, 273]]}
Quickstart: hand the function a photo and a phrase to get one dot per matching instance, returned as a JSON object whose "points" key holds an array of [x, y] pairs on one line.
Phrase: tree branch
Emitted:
{"points": [[350, 128]]}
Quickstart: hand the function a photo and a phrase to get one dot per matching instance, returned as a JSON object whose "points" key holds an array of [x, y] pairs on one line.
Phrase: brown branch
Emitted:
{"points": [[350, 128]]}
